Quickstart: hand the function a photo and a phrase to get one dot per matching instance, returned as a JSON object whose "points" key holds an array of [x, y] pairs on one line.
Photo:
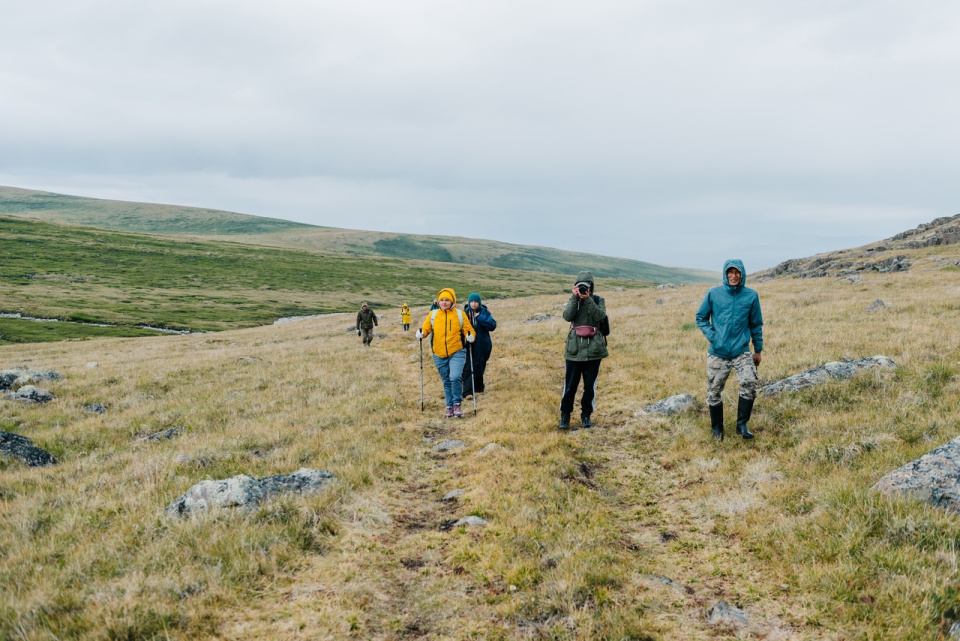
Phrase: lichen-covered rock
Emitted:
{"points": [[23, 449], [20, 376], [539, 318], [164, 435], [95, 408], [829, 371], [246, 492], [722, 613], [670, 405], [446, 446], [489, 448], [471, 520], [877, 306], [453, 495], [31, 394], [934, 478]]}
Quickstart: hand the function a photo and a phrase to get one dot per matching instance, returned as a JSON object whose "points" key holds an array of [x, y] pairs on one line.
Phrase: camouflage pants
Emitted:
{"points": [[718, 369], [367, 335]]}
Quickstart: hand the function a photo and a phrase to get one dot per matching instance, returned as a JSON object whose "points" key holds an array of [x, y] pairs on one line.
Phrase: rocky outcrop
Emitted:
{"points": [[11, 379], [827, 372], [246, 492], [31, 394], [934, 478], [23, 449], [670, 405]]}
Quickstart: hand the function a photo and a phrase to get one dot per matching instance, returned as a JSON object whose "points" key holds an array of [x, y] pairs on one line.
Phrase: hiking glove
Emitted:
{"points": [[470, 338], [358, 332], [419, 333]]}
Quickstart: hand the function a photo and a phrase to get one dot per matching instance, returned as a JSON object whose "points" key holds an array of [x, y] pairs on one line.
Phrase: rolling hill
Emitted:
{"points": [[213, 224]]}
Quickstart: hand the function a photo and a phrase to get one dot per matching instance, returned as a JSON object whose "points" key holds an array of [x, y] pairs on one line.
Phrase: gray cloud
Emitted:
{"points": [[680, 133]]}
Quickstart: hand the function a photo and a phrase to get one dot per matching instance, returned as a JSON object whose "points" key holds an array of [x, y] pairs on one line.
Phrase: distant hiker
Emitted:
{"points": [[450, 328], [586, 346], [730, 318], [366, 321], [483, 321], [435, 305], [405, 317]]}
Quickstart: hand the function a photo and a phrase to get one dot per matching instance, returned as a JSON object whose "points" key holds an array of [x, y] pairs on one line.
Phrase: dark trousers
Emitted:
{"points": [[480, 358], [589, 370]]}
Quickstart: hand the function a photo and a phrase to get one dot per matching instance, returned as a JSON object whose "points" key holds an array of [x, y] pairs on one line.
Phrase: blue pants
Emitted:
{"points": [[451, 370]]}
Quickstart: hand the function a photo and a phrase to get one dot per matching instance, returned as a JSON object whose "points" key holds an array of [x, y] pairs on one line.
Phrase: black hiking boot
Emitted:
{"points": [[585, 421], [744, 409], [564, 421], [716, 420]]}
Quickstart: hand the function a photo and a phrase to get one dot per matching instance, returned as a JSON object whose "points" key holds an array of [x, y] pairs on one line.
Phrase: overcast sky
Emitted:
{"points": [[676, 132]]}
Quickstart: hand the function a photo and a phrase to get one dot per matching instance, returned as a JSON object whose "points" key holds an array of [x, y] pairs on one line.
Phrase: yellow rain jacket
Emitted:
{"points": [[405, 315], [446, 326]]}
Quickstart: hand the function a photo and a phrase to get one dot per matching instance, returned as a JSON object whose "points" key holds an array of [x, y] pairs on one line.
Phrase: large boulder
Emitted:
{"points": [[934, 478], [23, 449], [246, 492], [670, 405], [827, 372], [19, 376], [31, 394]]}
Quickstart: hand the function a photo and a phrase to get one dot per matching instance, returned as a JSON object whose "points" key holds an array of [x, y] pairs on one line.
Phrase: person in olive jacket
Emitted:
{"points": [[483, 321], [586, 346], [366, 321]]}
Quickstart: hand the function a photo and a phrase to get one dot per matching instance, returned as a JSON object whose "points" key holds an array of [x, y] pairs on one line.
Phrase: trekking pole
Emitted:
{"points": [[421, 375], [470, 354]]}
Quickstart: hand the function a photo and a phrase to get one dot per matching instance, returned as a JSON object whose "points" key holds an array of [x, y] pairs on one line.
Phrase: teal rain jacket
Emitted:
{"points": [[730, 316]]}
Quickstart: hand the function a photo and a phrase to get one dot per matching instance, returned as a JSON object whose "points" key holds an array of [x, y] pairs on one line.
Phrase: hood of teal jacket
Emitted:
{"points": [[737, 264]]}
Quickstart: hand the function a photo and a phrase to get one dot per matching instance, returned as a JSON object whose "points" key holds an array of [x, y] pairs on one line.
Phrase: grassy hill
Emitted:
{"points": [[100, 276], [222, 225], [631, 530]]}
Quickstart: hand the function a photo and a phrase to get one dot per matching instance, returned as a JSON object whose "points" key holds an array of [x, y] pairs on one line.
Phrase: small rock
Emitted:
{"points": [[92, 364], [670, 405], [489, 448], [877, 306], [455, 494], [95, 408], [955, 631], [246, 492], [933, 478], [666, 286], [181, 458], [539, 318], [670, 582], [470, 520], [23, 449], [31, 394], [840, 370], [725, 614], [164, 435], [446, 446]]}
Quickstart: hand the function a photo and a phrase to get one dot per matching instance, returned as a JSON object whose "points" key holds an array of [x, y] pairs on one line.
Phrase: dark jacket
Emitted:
{"points": [[366, 319], [590, 312], [484, 323], [730, 316]]}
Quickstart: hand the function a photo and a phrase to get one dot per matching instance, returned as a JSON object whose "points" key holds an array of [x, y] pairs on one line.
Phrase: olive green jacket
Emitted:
{"points": [[585, 312], [366, 319]]}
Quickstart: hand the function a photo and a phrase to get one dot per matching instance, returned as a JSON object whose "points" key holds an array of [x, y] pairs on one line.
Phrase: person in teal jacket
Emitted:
{"points": [[730, 318]]}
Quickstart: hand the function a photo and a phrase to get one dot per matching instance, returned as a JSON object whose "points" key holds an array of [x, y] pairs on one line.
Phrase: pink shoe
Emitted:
{"points": [[457, 412], [449, 413]]}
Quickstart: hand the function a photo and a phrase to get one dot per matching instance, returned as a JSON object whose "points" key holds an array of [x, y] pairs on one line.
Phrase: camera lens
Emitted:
{"points": [[582, 288]]}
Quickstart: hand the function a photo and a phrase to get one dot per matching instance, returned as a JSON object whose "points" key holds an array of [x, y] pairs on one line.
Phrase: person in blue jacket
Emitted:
{"points": [[730, 318], [482, 321]]}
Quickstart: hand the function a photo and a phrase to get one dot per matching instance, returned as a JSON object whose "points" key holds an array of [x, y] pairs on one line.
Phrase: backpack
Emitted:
{"points": [[604, 325], [433, 315]]}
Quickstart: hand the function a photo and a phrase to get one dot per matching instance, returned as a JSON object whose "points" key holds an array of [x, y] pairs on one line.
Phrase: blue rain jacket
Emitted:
{"points": [[730, 316]]}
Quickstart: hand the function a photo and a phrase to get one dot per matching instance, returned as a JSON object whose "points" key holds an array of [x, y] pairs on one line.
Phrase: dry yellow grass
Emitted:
{"points": [[580, 525]]}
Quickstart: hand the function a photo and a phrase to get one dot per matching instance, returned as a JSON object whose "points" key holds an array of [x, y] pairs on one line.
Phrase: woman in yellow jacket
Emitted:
{"points": [[405, 317], [450, 328]]}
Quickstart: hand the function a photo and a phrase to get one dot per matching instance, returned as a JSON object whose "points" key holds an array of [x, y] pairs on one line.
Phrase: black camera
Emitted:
{"points": [[583, 289]]}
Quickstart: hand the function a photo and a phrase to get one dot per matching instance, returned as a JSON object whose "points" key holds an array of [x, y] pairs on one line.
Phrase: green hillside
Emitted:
{"points": [[100, 276], [222, 225]]}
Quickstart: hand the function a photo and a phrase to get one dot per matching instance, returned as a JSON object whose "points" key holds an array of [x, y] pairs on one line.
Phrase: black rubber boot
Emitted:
{"points": [[564, 421], [585, 421], [744, 409], [716, 420]]}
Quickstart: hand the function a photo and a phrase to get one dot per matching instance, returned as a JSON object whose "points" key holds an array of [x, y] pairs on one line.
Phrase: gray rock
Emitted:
{"points": [[31, 394], [19, 376], [829, 371], [725, 614], [489, 448], [455, 494], [446, 446], [877, 306], [669, 582], [955, 631], [95, 408], [670, 405], [471, 520], [245, 492], [8, 378], [23, 449], [934, 478], [92, 364], [659, 301], [666, 286], [164, 435], [539, 318]]}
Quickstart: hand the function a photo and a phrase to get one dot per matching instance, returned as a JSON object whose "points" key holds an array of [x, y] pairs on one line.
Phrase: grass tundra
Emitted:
{"points": [[631, 530]]}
